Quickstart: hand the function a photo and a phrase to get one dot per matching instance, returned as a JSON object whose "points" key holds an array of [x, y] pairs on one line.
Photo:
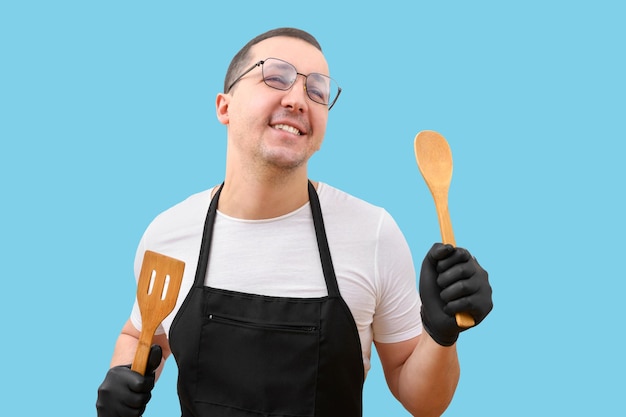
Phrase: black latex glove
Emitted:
{"points": [[125, 393], [452, 281]]}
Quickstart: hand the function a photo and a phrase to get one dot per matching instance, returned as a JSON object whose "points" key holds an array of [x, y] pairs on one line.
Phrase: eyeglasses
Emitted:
{"points": [[281, 75]]}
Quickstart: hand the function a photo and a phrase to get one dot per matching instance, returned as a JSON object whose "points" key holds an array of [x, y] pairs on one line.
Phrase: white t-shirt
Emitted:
{"points": [[279, 257]]}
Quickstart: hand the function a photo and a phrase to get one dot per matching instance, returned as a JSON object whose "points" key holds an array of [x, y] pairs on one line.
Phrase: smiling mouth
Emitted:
{"points": [[287, 128]]}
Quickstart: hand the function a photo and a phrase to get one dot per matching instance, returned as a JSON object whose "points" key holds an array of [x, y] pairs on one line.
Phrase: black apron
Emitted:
{"points": [[248, 355]]}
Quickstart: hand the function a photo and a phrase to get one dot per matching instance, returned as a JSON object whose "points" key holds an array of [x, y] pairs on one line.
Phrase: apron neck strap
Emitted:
{"points": [[322, 244], [205, 245], [320, 233]]}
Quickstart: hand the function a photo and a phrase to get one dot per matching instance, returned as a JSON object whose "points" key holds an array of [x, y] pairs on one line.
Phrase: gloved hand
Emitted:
{"points": [[125, 393], [452, 281]]}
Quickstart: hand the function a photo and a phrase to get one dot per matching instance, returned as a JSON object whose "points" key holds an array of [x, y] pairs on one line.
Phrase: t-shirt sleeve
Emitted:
{"points": [[135, 315], [397, 315]]}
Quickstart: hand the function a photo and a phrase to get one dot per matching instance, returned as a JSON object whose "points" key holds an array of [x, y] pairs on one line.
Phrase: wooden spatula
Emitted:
{"points": [[434, 160], [157, 291]]}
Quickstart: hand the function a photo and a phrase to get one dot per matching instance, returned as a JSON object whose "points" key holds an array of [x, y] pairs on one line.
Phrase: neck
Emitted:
{"points": [[256, 198]]}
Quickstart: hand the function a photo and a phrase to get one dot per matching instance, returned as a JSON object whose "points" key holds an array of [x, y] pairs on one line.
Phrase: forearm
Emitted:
{"points": [[126, 346], [428, 378]]}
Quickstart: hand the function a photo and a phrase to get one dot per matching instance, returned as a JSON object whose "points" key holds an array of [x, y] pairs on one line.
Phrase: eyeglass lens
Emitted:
{"points": [[282, 75]]}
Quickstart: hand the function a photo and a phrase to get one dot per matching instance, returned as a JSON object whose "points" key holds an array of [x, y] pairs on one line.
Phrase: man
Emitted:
{"points": [[294, 279]]}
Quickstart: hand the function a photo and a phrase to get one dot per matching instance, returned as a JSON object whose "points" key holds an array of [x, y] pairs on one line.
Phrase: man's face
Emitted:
{"points": [[270, 127]]}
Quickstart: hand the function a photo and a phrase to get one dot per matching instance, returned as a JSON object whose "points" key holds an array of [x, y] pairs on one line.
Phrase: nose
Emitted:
{"points": [[296, 97]]}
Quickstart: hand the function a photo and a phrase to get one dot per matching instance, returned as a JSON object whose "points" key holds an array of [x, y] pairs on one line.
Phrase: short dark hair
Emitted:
{"points": [[240, 60]]}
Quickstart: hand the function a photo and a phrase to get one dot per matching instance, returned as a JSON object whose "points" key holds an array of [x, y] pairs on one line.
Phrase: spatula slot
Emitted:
{"points": [[165, 286], [152, 278]]}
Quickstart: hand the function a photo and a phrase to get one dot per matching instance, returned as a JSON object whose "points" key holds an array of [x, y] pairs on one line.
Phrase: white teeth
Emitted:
{"points": [[287, 128]]}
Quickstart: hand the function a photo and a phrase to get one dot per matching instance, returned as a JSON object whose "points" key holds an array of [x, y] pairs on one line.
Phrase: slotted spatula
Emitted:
{"points": [[157, 291], [434, 160]]}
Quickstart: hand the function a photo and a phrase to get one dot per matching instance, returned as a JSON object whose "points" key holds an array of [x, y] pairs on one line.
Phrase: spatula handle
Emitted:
{"points": [[143, 351], [463, 320]]}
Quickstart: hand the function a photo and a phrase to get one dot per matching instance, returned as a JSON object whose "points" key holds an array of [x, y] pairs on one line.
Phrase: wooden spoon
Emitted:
{"points": [[157, 291], [434, 160]]}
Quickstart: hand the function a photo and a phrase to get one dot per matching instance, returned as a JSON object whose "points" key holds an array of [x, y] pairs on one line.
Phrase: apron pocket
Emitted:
{"points": [[269, 368]]}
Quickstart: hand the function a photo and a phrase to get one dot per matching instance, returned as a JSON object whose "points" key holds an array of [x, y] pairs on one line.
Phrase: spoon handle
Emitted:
{"points": [[463, 320], [443, 215]]}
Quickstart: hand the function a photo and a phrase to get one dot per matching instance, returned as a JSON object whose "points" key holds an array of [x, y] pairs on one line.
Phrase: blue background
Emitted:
{"points": [[107, 118]]}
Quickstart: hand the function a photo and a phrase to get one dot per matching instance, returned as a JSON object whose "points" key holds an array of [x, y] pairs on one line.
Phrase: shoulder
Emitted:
{"points": [[177, 231], [185, 215], [340, 206], [332, 197], [192, 205]]}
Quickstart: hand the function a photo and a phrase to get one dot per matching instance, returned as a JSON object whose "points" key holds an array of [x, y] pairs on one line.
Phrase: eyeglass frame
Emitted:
{"points": [[260, 64]]}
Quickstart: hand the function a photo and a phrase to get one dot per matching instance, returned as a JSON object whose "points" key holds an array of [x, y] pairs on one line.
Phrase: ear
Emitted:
{"points": [[222, 102]]}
